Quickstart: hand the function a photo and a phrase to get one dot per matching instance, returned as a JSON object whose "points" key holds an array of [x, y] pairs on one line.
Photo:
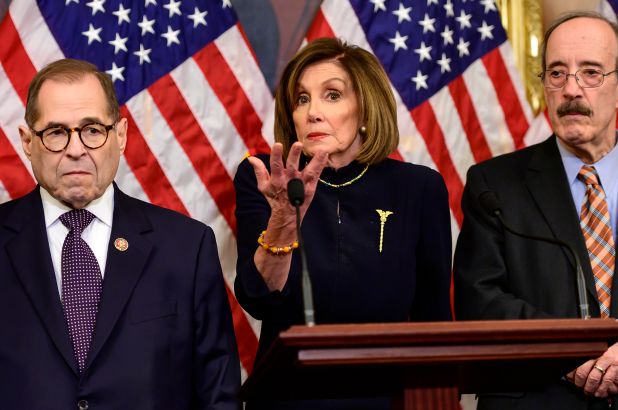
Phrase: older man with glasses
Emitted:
{"points": [[106, 302], [565, 188]]}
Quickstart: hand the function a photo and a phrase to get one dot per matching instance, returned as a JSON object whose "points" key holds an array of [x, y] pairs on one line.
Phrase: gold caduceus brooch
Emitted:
{"points": [[383, 216]]}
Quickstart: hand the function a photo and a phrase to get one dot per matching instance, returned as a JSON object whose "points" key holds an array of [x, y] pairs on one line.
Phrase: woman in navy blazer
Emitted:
{"points": [[376, 231]]}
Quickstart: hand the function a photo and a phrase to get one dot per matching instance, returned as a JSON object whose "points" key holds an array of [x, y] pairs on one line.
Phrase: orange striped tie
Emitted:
{"points": [[597, 230]]}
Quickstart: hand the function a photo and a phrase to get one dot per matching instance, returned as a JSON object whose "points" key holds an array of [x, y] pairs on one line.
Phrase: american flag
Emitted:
{"points": [[197, 102], [189, 85]]}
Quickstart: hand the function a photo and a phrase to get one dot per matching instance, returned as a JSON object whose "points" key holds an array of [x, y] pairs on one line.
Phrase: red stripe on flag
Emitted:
{"points": [[319, 28], [507, 95], [396, 155], [233, 97], [469, 119], [15, 59], [147, 170], [246, 339], [426, 123], [13, 173], [196, 145]]}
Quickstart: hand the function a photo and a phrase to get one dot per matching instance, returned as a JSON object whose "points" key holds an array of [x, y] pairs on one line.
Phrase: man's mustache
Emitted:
{"points": [[573, 107]]}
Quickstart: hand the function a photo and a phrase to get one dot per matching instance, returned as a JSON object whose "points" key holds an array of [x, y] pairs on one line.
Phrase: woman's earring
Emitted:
{"points": [[362, 130]]}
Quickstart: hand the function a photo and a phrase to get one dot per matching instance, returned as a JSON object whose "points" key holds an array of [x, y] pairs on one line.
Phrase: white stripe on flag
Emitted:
{"points": [[540, 129], [126, 179], [210, 114], [344, 22], [4, 195], [35, 35]]}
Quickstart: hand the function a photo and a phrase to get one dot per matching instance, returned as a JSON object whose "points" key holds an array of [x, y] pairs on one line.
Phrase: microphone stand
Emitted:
{"points": [[489, 201], [296, 195], [306, 285]]}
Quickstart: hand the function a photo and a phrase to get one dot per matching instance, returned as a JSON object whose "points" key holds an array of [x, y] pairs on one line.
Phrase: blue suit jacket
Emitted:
{"points": [[163, 339]]}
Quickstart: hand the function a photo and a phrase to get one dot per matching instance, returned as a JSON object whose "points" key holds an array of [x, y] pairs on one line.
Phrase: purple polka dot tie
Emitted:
{"points": [[81, 283]]}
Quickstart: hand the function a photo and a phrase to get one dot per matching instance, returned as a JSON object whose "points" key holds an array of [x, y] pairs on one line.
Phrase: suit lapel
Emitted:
{"points": [[547, 182], [123, 268], [31, 261]]}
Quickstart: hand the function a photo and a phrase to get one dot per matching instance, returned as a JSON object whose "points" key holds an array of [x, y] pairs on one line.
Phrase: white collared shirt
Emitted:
{"points": [[96, 234]]}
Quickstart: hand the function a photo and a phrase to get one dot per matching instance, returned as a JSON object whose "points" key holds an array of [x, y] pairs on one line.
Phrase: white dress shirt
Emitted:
{"points": [[96, 234]]}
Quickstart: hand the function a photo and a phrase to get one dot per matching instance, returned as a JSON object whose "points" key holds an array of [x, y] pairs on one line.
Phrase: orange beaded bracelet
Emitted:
{"points": [[276, 250]]}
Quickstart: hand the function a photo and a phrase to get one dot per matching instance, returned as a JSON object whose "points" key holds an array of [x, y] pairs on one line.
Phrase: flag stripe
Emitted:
{"points": [[205, 161], [248, 348], [449, 123], [506, 53], [485, 101], [206, 107], [513, 112], [469, 119], [12, 117], [13, 175], [37, 40], [4, 195], [241, 60], [319, 27], [221, 79], [126, 179], [14, 59], [147, 170], [425, 119]]}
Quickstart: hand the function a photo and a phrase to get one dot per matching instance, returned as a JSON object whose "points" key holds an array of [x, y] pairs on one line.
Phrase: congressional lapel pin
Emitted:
{"points": [[121, 244], [383, 216]]}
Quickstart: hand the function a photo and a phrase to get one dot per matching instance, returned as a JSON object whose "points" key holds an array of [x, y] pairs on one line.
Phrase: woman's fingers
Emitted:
{"points": [[292, 163], [261, 173]]}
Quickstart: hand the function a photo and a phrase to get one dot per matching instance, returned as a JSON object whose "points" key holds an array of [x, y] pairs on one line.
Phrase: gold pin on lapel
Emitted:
{"points": [[383, 216], [121, 244]]}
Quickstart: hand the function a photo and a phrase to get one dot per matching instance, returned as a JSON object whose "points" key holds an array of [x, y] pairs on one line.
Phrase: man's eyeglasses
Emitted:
{"points": [[56, 138], [585, 77]]}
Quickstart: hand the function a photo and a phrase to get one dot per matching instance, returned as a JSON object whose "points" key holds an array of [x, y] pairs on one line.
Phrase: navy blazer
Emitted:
{"points": [[163, 339], [353, 282], [502, 276]]}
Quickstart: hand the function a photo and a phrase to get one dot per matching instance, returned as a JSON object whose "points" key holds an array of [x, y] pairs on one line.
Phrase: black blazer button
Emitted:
{"points": [[82, 405]]}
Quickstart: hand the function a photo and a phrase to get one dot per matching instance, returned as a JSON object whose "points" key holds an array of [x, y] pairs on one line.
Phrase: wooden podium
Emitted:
{"points": [[425, 365]]}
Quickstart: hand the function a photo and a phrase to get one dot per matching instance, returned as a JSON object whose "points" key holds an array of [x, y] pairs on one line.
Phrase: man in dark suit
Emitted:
{"points": [[106, 302], [548, 190]]}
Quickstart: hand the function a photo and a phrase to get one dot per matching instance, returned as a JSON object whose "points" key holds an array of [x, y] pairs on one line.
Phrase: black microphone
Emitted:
{"points": [[296, 195], [296, 192], [491, 204]]}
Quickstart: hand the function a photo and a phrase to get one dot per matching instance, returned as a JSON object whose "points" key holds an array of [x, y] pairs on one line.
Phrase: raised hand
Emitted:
{"points": [[274, 185], [281, 229]]}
